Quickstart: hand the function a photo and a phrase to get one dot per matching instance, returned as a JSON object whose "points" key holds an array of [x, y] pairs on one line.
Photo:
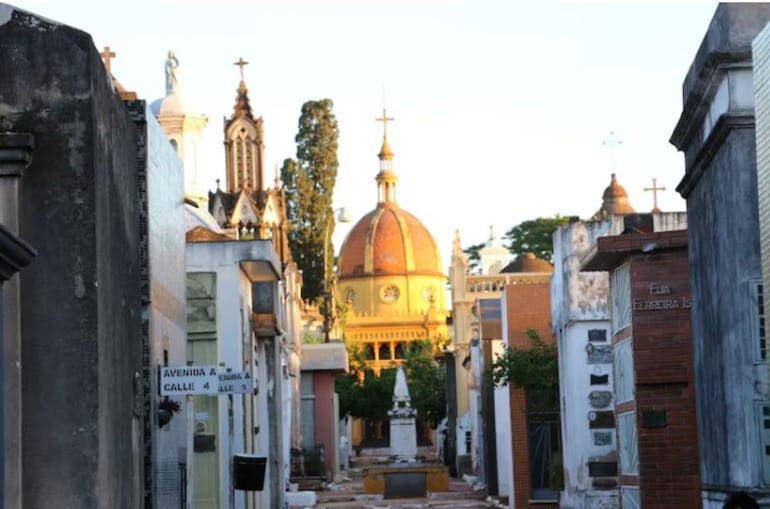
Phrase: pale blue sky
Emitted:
{"points": [[501, 108]]}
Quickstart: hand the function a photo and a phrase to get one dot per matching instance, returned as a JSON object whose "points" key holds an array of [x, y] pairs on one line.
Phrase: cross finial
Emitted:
{"points": [[612, 143], [107, 55], [384, 119], [240, 63], [655, 190]]}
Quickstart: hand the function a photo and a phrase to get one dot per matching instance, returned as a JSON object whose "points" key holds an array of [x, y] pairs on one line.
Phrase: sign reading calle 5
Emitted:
{"points": [[238, 382]]}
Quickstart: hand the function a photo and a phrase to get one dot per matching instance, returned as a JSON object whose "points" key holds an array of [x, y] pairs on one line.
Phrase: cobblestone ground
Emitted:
{"points": [[349, 494]]}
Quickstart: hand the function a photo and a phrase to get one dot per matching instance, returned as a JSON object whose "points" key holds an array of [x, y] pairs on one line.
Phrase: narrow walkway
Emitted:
{"points": [[349, 494]]}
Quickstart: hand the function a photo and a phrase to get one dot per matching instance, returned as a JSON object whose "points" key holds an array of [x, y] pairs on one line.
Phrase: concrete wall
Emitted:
{"points": [[761, 57], [579, 307], [716, 132], [237, 417], [164, 331], [79, 208], [719, 222]]}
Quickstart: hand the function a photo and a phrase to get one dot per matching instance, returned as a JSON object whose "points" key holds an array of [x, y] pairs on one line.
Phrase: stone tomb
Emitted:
{"points": [[404, 476]]}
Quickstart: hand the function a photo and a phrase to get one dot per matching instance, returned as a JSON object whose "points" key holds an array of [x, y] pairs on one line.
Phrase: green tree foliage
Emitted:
{"points": [[309, 183], [534, 367], [535, 236], [474, 259], [426, 378], [372, 397], [536, 370]]}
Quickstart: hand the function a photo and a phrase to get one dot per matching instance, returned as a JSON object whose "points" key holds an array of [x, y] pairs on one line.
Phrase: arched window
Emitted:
{"points": [[384, 351]]}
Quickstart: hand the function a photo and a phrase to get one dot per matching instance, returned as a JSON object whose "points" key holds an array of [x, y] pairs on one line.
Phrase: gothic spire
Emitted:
{"points": [[242, 107]]}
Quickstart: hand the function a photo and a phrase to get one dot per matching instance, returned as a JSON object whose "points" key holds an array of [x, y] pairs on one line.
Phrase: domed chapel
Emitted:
{"points": [[390, 275]]}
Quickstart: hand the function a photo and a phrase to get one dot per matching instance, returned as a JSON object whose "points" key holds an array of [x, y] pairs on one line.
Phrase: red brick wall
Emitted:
{"points": [[528, 307], [668, 455], [324, 418]]}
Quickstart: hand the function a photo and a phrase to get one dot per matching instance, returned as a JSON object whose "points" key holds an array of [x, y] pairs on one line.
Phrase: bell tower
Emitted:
{"points": [[244, 144]]}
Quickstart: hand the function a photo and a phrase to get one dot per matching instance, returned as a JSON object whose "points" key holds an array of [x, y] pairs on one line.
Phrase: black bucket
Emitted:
{"points": [[249, 472]]}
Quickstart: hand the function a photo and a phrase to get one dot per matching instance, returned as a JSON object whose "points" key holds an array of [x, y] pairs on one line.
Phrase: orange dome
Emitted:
{"points": [[389, 241], [615, 200], [528, 262]]}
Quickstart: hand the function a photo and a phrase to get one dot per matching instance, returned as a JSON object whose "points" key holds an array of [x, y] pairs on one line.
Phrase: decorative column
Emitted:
{"points": [[15, 156]]}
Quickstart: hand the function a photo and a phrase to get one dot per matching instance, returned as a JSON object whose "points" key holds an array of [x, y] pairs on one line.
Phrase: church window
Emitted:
{"points": [[249, 164], [239, 161], [624, 371], [389, 293], [629, 452], [384, 352], [368, 352], [629, 496], [620, 286], [399, 351]]}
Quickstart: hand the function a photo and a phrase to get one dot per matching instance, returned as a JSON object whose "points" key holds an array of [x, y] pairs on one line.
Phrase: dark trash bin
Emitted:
{"points": [[249, 472]]}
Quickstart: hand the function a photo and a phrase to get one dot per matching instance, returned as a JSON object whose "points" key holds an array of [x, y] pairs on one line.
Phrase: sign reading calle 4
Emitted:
{"points": [[662, 299], [183, 380]]}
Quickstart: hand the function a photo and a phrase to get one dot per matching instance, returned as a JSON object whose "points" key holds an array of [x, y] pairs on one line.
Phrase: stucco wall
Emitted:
{"points": [[579, 305], [168, 319], [724, 259], [720, 186], [79, 208]]}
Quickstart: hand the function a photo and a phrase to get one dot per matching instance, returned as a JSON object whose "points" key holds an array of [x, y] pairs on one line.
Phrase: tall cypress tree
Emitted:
{"points": [[309, 183]]}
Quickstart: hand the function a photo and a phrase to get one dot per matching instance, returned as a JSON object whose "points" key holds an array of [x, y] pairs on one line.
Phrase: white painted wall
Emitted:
{"points": [[579, 304], [502, 395], [166, 309], [235, 344]]}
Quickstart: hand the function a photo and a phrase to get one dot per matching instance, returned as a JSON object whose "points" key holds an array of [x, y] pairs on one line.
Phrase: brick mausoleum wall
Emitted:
{"points": [[529, 307], [665, 392]]}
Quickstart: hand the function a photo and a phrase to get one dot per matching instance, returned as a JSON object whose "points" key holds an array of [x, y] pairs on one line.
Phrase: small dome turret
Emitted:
{"points": [[615, 201]]}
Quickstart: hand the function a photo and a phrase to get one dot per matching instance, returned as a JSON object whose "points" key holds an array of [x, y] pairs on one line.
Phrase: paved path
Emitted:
{"points": [[349, 494]]}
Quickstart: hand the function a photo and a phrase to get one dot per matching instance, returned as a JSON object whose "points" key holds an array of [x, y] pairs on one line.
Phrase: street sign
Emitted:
{"points": [[183, 380], [237, 382]]}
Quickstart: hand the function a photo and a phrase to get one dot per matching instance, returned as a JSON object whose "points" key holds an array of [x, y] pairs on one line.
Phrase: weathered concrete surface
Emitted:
{"points": [[716, 132], [164, 315], [80, 301]]}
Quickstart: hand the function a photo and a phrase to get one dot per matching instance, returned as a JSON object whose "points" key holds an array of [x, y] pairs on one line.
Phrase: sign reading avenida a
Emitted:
{"points": [[176, 381]]}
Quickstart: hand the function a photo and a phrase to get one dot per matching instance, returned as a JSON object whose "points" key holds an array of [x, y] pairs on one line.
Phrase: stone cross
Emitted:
{"points": [[240, 63], [107, 55], [384, 119], [655, 190], [612, 143]]}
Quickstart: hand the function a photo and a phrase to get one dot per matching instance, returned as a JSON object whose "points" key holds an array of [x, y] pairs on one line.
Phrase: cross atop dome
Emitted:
{"points": [[385, 119]]}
